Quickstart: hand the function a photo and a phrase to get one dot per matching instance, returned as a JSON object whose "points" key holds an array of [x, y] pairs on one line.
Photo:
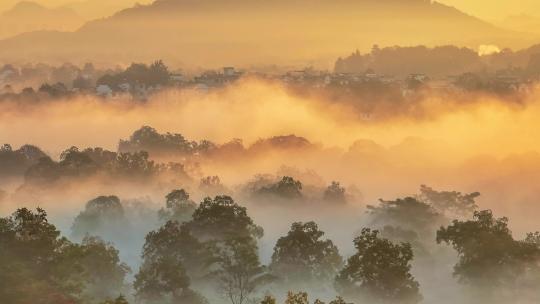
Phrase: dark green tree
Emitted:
{"points": [[239, 272], [105, 274], [379, 271], [170, 255], [489, 258], [39, 266], [303, 256], [221, 219]]}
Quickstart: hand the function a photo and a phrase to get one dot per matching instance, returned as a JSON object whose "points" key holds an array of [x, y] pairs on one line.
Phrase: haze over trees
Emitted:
{"points": [[491, 261], [303, 257], [379, 271]]}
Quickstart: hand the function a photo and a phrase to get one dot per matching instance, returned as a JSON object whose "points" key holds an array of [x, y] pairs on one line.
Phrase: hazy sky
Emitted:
{"points": [[490, 10], [496, 9], [486, 9]]}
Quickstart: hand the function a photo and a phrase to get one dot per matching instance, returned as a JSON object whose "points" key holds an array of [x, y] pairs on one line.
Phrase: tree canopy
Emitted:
{"points": [[304, 256], [379, 271]]}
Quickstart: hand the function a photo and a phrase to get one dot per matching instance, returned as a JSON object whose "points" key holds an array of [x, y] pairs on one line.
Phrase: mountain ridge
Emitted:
{"points": [[190, 31]]}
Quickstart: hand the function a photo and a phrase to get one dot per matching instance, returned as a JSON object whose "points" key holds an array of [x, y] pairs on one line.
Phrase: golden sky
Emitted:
{"points": [[496, 9], [486, 9]]}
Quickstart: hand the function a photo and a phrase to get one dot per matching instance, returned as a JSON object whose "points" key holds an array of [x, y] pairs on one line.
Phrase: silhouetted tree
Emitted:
{"points": [[379, 271], [39, 266], [170, 255], [239, 272], [489, 257], [302, 256], [221, 219]]}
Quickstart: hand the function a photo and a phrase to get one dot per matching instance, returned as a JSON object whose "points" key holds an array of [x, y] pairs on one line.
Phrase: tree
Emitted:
{"points": [[178, 207], [379, 271], [449, 203], [303, 256], [104, 272], [268, 300], [100, 216], [170, 256], [286, 188], [297, 298], [335, 194], [221, 218], [489, 257], [39, 266], [408, 213], [31, 251], [239, 271]]}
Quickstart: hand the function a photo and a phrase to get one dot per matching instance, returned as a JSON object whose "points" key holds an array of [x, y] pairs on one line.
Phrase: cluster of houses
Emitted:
{"points": [[306, 78]]}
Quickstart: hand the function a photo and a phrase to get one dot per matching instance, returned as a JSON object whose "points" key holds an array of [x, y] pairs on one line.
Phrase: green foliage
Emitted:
{"points": [[379, 271], [221, 219], [489, 257], [239, 271], [297, 298], [268, 300], [39, 266], [103, 270], [178, 207], [170, 254], [303, 256]]}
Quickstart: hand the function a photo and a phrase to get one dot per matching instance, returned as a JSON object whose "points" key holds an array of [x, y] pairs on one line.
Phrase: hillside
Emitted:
{"points": [[30, 16], [244, 32]]}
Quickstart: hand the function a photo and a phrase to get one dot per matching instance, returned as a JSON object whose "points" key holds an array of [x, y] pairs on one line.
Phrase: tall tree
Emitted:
{"points": [[239, 272], [489, 257], [379, 271], [221, 219], [304, 256]]}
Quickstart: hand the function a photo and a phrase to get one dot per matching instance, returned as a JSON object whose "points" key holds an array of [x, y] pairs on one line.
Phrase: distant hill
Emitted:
{"points": [[245, 32], [94, 9], [29, 16]]}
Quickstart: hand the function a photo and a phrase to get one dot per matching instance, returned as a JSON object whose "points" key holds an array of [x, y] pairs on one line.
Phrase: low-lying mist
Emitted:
{"points": [[373, 148]]}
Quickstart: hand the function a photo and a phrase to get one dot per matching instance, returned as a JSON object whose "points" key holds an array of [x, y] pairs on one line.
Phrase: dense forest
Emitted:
{"points": [[205, 246]]}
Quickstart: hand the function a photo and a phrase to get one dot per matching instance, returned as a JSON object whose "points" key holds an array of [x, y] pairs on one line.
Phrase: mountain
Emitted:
{"points": [[255, 32], [30, 16], [93, 9]]}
